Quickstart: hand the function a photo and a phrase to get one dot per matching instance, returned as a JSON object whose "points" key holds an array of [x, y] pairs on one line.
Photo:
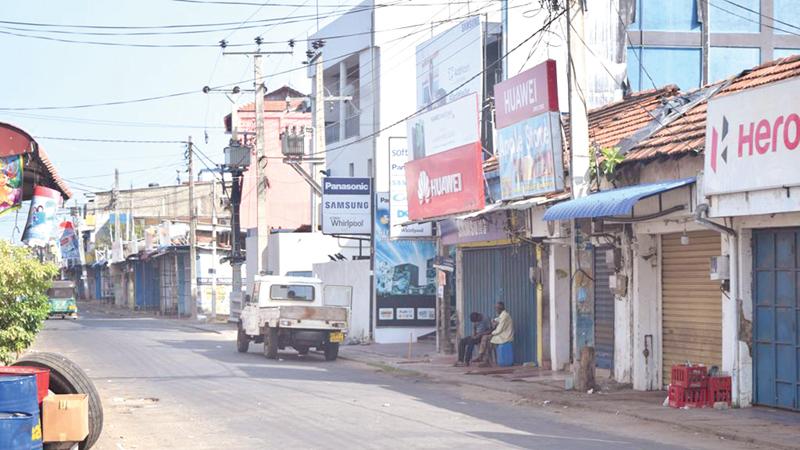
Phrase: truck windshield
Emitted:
{"points": [[292, 292], [60, 293]]}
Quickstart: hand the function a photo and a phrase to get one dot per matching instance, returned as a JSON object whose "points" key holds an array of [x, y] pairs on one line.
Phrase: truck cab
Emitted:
{"points": [[287, 311]]}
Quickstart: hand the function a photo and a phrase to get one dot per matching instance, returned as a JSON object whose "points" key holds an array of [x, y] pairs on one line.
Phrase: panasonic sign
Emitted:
{"points": [[346, 206]]}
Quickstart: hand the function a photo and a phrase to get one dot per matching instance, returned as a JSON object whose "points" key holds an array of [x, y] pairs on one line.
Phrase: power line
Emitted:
{"points": [[116, 123], [455, 89], [749, 19], [184, 93], [761, 14], [116, 141]]}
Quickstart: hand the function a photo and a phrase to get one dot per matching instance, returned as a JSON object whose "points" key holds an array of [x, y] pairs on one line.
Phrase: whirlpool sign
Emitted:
{"points": [[346, 206]]}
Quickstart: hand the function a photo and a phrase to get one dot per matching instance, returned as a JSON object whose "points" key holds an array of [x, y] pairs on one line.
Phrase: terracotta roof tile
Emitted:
{"points": [[686, 135], [609, 124]]}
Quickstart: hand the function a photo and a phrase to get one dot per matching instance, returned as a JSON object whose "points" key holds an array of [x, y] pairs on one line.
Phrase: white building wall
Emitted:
{"points": [[300, 251], [356, 275]]}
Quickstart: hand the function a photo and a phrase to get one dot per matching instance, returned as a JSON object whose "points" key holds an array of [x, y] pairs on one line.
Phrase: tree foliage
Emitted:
{"points": [[24, 281], [609, 158]]}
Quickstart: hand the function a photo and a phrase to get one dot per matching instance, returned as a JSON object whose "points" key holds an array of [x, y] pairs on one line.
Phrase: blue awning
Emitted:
{"points": [[615, 202]]}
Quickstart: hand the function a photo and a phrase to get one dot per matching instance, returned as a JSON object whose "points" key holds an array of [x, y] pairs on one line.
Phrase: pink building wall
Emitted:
{"points": [[288, 195]]}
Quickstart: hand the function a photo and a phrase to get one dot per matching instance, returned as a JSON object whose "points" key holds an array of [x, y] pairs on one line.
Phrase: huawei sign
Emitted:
{"points": [[428, 188], [445, 183]]}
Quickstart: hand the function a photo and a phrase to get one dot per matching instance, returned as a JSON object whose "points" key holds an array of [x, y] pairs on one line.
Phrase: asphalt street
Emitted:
{"points": [[167, 385]]}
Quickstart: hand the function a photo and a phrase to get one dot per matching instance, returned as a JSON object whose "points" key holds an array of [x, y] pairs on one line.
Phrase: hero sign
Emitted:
{"points": [[752, 139]]}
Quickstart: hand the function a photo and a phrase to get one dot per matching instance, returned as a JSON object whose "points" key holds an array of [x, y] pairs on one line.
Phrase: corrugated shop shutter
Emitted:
{"points": [[691, 303], [603, 311], [503, 274]]}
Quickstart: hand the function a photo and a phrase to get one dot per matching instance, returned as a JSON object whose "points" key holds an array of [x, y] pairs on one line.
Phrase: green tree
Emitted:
{"points": [[24, 281]]}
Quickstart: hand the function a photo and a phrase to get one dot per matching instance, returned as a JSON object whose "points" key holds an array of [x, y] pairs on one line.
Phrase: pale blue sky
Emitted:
{"points": [[46, 73]]}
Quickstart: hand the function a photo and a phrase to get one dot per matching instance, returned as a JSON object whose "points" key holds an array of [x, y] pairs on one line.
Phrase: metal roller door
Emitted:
{"points": [[691, 301], [776, 313], [503, 274], [603, 311]]}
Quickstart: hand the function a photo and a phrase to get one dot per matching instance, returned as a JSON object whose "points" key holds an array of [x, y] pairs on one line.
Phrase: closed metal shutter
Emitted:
{"points": [[503, 274], [691, 303], [603, 311]]}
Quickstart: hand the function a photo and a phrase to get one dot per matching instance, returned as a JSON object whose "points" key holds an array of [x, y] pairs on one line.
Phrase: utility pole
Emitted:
{"points": [[214, 249], [582, 254], [261, 163], [261, 185], [192, 234], [117, 242]]}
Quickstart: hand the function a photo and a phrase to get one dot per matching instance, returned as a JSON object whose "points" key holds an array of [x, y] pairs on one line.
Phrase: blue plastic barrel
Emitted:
{"points": [[15, 431], [505, 354], [18, 395]]}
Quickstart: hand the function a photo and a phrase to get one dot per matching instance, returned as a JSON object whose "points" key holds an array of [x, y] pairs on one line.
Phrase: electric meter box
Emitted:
{"points": [[720, 267]]}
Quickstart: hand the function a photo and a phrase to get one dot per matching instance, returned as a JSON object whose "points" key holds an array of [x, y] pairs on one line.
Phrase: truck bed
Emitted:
{"points": [[332, 313]]}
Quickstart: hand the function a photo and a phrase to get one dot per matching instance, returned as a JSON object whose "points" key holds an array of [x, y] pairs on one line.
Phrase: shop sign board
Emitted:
{"points": [[488, 227], [405, 277], [530, 157], [753, 139], [346, 205], [446, 183], [398, 201], [526, 95], [448, 63], [529, 133], [444, 128]]}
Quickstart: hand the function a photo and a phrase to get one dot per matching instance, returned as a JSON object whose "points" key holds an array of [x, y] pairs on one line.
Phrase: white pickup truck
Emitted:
{"points": [[283, 311]]}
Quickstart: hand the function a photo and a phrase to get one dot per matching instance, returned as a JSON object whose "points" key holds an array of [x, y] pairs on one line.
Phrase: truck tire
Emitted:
{"points": [[66, 377], [303, 350], [271, 343], [242, 340], [331, 351]]}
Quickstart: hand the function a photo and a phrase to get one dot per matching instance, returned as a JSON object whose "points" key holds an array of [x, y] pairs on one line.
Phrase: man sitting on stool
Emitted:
{"points": [[481, 333], [503, 330]]}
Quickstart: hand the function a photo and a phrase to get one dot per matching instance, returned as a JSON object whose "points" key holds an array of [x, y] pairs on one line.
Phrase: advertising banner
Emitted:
{"points": [[449, 60], [753, 139], [526, 95], [530, 157], [446, 183], [346, 206], [444, 128], [41, 226], [398, 202], [405, 279], [488, 227], [10, 183], [70, 249]]}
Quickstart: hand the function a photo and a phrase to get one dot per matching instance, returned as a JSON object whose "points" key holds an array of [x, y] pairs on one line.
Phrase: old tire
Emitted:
{"points": [[271, 343], [242, 340], [331, 352], [66, 377], [303, 350]]}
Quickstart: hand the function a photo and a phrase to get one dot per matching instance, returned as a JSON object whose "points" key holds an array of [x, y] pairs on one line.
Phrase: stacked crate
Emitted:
{"points": [[692, 387]]}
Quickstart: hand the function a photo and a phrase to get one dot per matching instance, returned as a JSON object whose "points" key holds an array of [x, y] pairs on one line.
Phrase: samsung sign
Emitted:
{"points": [[346, 206]]}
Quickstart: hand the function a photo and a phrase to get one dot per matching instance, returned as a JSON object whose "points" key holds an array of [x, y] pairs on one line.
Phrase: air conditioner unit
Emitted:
{"points": [[558, 229]]}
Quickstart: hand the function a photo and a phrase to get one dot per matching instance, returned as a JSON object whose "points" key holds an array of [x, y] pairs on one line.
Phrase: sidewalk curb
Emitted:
{"points": [[568, 403]]}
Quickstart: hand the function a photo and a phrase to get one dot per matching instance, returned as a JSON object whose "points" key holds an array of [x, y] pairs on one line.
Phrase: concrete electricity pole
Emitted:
{"points": [[261, 185], [214, 249], [261, 163], [192, 234], [582, 255]]}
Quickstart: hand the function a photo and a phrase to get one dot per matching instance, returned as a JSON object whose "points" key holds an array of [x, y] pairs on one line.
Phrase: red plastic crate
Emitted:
{"points": [[719, 390], [680, 397], [689, 376]]}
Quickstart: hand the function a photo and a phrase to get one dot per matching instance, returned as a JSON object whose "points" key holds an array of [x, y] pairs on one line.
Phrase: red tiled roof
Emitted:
{"points": [[686, 135], [58, 182]]}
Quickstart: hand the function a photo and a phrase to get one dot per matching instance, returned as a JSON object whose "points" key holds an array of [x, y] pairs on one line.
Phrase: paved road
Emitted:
{"points": [[166, 385]]}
